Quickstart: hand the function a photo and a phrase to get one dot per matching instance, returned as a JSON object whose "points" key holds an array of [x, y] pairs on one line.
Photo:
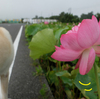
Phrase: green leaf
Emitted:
{"points": [[74, 62], [89, 94], [66, 80], [86, 79], [52, 60], [63, 73], [97, 59], [32, 29], [53, 78], [58, 33], [74, 73], [91, 74], [69, 94], [42, 43]]}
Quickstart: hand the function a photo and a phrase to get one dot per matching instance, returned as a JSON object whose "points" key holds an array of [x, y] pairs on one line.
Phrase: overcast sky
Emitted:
{"points": [[17, 9]]}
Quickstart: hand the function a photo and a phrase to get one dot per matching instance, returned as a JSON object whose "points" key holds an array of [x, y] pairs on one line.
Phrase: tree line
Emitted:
{"points": [[69, 18]]}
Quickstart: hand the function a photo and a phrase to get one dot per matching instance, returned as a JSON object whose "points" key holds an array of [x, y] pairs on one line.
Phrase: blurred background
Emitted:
{"points": [[12, 11]]}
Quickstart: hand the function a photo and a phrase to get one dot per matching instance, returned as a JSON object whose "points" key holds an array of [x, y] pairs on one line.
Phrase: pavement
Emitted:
{"points": [[22, 84]]}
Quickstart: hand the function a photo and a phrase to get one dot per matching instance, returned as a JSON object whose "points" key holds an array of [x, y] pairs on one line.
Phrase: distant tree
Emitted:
{"points": [[47, 18], [41, 17], [87, 16], [36, 17], [98, 16], [54, 17], [76, 19], [90, 15], [83, 16], [68, 18], [62, 17]]}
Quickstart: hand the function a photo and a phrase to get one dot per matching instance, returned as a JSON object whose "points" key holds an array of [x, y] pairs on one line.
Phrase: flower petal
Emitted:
{"points": [[98, 41], [97, 49], [69, 41], [62, 54], [99, 23], [91, 60], [87, 61], [88, 33], [94, 19], [75, 29]]}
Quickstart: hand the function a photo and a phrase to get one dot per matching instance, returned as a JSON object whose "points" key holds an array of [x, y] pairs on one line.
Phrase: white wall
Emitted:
{"points": [[38, 20]]}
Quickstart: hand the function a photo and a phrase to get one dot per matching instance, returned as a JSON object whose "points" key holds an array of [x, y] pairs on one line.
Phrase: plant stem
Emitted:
{"points": [[73, 91], [80, 96], [59, 64], [97, 79], [76, 92]]}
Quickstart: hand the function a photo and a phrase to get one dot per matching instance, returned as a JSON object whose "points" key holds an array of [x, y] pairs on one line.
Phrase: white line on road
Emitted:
{"points": [[16, 43]]}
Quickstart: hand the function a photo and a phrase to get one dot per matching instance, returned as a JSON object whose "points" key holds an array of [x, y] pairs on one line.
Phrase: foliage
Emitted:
{"points": [[88, 78], [31, 30], [98, 16], [61, 76], [43, 91], [38, 72], [86, 16], [42, 43]]}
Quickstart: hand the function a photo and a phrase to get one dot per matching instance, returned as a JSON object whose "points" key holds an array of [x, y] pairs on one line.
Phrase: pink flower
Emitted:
{"points": [[46, 22], [80, 43], [67, 24]]}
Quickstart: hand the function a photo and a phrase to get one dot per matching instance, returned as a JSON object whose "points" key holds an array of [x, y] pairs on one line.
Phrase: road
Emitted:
{"points": [[22, 84]]}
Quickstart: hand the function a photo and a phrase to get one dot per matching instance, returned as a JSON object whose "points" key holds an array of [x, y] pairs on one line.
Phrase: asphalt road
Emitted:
{"points": [[23, 85]]}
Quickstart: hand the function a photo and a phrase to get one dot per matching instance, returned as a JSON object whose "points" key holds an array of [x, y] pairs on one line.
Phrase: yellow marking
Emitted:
{"points": [[85, 84], [88, 89]]}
